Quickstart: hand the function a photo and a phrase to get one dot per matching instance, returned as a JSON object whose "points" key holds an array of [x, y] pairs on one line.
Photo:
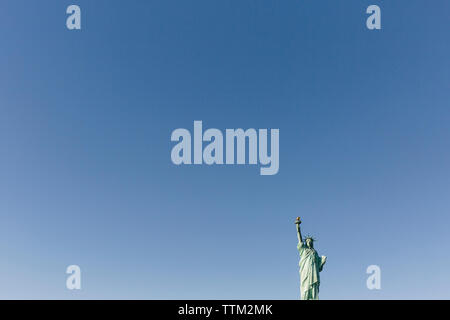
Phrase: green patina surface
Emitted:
{"points": [[310, 267]]}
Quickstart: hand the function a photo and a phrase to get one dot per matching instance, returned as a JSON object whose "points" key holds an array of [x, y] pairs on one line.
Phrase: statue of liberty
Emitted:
{"points": [[310, 266]]}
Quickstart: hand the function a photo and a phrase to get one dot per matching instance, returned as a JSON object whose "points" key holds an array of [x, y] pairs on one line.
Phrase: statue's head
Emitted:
{"points": [[309, 241]]}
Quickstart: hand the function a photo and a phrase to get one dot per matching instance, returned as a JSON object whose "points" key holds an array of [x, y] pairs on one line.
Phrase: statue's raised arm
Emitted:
{"points": [[299, 233]]}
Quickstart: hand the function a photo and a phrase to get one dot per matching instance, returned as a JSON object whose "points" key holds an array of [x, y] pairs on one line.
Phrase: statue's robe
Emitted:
{"points": [[310, 266]]}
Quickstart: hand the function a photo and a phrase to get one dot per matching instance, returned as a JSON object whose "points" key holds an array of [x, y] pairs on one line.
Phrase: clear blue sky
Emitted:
{"points": [[85, 170]]}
